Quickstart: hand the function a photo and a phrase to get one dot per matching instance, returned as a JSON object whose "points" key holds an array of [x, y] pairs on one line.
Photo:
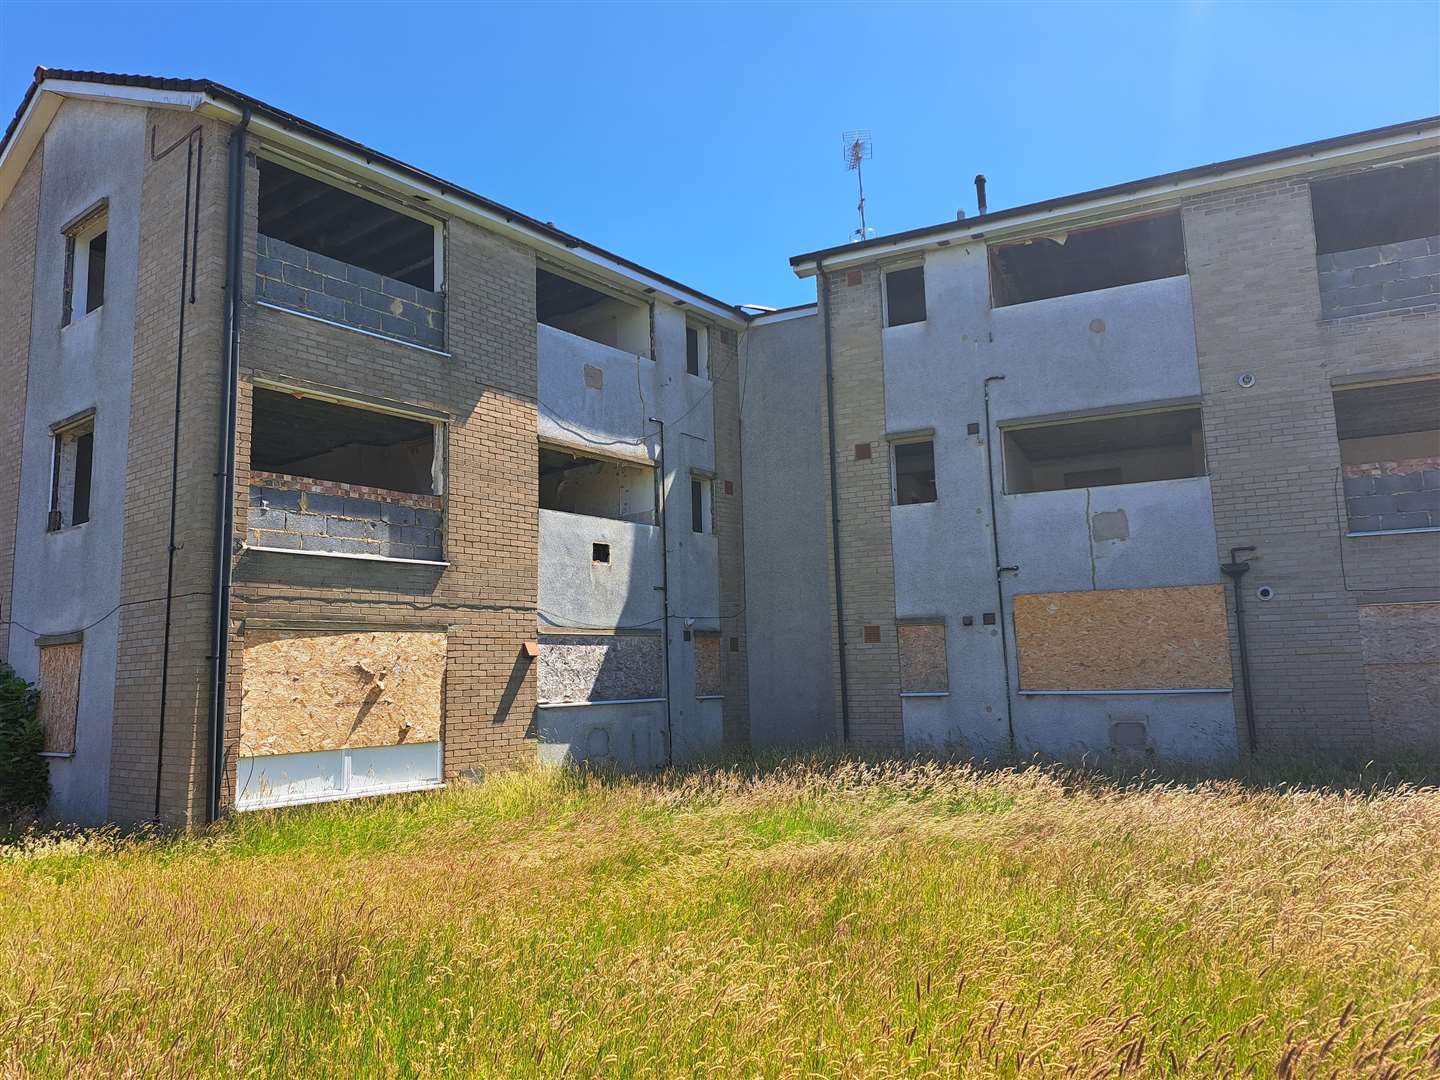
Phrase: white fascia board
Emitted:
{"points": [[31, 130], [785, 316], [383, 175], [1166, 194]]}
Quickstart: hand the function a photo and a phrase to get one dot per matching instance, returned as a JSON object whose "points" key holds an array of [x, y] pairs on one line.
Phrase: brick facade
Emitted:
{"points": [[727, 499]]}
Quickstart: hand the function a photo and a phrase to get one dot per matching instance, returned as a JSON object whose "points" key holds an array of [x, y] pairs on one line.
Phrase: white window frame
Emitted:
{"points": [[707, 503], [702, 337], [77, 262]]}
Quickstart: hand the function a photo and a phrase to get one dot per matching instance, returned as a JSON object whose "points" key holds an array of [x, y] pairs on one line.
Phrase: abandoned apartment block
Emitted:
{"points": [[349, 481]]}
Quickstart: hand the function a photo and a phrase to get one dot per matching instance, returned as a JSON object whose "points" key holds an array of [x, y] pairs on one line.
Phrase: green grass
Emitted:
{"points": [[825, 918]]}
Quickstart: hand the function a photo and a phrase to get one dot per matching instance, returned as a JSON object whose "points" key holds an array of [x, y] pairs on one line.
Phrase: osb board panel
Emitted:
{"points": [[306, 691], [59, 695], [1124, 639], [707, 663], [1401, 644], [599, 667], [922, 658]]}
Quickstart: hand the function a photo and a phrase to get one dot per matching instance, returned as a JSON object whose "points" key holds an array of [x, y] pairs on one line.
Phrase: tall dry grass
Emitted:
{"points": [[810, 919]]}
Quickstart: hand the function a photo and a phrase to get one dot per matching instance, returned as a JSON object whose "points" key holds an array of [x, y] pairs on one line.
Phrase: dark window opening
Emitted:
{"points": [[914, 472], [692, 350], [304, 436], [576, 308], [699, 505], [1132, 449], [72, 470], [1390, 455], [600, 552], [576, 483], [311, 214], [1380, 206], [95, 280], [905, 296], [1100, 257]]}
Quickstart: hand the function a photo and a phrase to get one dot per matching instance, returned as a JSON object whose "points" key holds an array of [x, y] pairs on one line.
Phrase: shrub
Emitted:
{"points": [[24, 774]]}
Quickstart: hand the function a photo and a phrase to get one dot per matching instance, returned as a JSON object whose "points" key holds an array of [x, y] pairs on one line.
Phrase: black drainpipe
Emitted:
{"points": [[662, 504], [192, 188], [225, 469], [834, 500], [1235, 570], [995, 550]]}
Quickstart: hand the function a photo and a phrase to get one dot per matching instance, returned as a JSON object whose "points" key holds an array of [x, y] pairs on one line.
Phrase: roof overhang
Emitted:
{"points": [[300, 137], [1421, 137]]}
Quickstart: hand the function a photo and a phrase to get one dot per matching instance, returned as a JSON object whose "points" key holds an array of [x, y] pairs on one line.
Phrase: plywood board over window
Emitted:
{"points": [[707, 663], [60, 695], [579, 667], [1124, 639], [923, 669], [321, 690], [1401, 646]]}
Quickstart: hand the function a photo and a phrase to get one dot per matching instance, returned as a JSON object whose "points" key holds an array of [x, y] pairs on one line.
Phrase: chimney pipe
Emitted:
{"points": [[980, 193]]}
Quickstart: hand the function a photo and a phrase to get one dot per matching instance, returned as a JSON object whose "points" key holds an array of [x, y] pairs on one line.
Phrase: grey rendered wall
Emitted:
{"points": [[70, 579], [787, 600], [1112, 348]]}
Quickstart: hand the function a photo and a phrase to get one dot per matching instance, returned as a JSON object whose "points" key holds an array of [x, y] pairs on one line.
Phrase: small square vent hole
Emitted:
{"points": [[600, 552]]}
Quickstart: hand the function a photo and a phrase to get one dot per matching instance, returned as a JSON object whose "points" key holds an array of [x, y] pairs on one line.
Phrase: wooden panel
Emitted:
{"points": [[59, 695], [922, 658], [600, 667], [1124, 639], [306, 691], [1401, 644], [707, 663]]}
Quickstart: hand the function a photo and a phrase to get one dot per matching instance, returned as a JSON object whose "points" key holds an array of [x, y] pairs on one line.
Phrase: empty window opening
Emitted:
{"points": [[697, 351], [1132, 449], [701, 511], [905, 296], [309, 213], [576, 483], [85, 249], [1099, 257], [309, 437], [707, 663], [600, 553], [923, 668], [1390, 455], [60, 694], [576, 308], [72, 467], [1379, 206], [914, 472]]}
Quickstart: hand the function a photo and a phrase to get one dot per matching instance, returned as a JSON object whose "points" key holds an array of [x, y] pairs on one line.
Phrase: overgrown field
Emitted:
{"points": [[829, 919]]}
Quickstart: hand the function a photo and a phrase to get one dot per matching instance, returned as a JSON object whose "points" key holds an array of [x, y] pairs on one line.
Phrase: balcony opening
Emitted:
{"points": [[1135, 448], [1083, 260], [578, 309], [576, 483], [343, 480], [1377, 235], [1390, 455], [345, 258], [914, 471], [905, 296]]}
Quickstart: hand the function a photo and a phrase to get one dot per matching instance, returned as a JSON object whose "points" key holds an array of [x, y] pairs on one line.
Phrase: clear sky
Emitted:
{"points": [[704, 140]]}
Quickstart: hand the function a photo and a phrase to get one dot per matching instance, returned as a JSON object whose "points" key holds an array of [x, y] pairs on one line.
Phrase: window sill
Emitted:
{"points": [[57, 754], [303, 800], [353, 329], [1392, 532], [924, 693], [66, 529], [345, 555], [1121, 693], [583, 704], [709, 697]]}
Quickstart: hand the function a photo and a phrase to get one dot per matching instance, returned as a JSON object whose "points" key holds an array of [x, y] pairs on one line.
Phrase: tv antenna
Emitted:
{"points": [[858, 148]]}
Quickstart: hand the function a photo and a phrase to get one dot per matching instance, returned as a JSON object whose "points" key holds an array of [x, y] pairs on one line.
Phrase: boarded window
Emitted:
{"points": [[1379, 206], [60, 695], [576, 483], [71, 471], [599, 667], [310, 691], [905, 296], [707, 663], [311, 214], [1083, 260], [1129, 449], [923, 667], [914, 472], [1124, 639], [1390, 455]]}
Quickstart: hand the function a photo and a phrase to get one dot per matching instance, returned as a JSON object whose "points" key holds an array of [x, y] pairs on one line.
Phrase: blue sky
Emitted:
{"points": [[704, 140]]}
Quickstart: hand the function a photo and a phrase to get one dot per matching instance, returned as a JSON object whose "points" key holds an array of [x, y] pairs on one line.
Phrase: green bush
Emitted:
{"points": [[24, 774]]}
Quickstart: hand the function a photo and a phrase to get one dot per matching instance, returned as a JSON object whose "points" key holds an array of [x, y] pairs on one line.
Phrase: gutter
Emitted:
{"points": [[225, 467], [834, 501]]}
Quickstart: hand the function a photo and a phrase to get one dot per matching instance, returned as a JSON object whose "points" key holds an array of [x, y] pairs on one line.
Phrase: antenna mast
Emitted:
{"points": [[858, 147]]}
